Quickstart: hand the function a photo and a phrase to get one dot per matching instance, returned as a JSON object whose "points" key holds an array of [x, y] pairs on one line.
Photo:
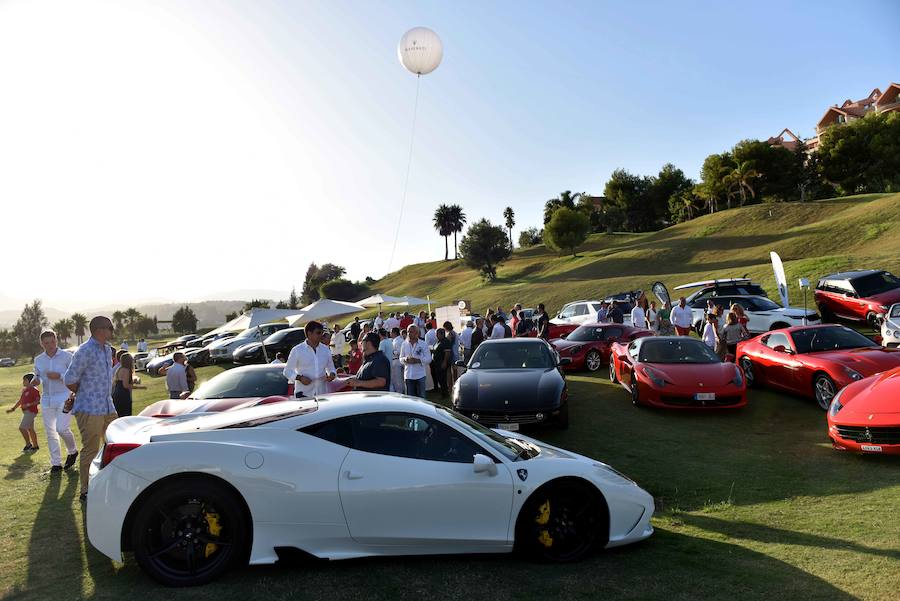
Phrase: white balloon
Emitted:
{"points": [[420, 50]]}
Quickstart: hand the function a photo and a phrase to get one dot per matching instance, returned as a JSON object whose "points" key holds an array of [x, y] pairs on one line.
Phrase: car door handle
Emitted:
{"points": [[351, 475]]}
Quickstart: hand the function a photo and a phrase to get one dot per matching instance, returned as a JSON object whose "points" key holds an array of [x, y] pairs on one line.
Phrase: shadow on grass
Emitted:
{"points": [[20, 466]]}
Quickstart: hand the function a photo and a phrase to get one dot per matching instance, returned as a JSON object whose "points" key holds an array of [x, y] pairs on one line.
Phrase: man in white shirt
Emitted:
{"points": [[379, 322], [124, 346], [639, 317], [142, 346], [394, 357], [391, 322], [682, 318], [49, 368], [430, 335], [414, 355], [498, 331], [465, 339], [386, 345], [176, 378], [337, 345], [309, 364]]}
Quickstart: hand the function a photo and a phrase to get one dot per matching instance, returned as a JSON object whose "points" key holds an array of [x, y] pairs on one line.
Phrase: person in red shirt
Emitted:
{"points": [[356, 358], [405, 321], [29, 401]]}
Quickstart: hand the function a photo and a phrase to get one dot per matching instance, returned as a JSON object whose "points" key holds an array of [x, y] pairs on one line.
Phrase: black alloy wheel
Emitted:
{"points": [[189, 532], [593, 361], [612, 370], [561, 522], [824, 390], [747, 368], [635, 392]]}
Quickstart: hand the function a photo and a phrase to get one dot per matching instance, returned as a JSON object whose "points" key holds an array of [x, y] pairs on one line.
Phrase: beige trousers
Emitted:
{"points": [[93, 431]]}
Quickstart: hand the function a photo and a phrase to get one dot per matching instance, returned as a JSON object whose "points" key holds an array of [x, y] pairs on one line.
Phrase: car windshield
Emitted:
{"points": [[875, 283], [586, 334], [248, 333], [814, 340], [895, 311], [279, 336], [500, 444], [681, 350], [512, 355], [763, 304], [243, 383]]}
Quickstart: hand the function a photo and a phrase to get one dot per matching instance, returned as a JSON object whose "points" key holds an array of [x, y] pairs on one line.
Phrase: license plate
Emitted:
{"points": [[509, 427], [705, 396], [870, 447]]}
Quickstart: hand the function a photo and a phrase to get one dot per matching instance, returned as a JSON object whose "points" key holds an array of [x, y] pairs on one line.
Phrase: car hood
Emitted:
{"points": [[873, 396], [789, 312], [228, 342], [246, 348], [887, 298], [490, 389], [694, 374], [867, 361], [561, 344]]}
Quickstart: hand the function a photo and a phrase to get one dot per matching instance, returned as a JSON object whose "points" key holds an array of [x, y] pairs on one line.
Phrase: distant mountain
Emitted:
{"points": [[9, 317]]}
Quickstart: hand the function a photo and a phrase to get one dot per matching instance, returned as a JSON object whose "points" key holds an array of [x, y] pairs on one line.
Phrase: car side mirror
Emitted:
{"points": [[564, 335], [460, 363], [782, 349], [565, 360], [482, 464]]}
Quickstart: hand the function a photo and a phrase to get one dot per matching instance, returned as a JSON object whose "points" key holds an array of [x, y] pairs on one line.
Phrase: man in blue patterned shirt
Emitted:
{"points": [[90, 377]]}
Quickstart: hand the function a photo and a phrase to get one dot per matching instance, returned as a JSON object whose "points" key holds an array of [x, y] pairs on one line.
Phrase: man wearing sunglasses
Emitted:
{"points": [[89, 376], [309, 365]]}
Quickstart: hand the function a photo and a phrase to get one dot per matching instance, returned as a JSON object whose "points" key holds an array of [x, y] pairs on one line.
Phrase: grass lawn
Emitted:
{"points": [[751, 505]]}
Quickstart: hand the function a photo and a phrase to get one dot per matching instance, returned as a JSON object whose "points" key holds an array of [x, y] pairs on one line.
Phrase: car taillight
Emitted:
{"points": [[113, 450]]}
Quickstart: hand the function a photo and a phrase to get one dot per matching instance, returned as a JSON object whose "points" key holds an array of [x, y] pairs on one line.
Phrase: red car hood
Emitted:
{"points": [[878, 395], [867, 361], [693, 374], [562, 344], [887, 298]]}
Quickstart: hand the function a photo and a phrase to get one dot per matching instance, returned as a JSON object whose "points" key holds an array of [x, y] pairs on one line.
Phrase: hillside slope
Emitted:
{"points": [[812, 238]]}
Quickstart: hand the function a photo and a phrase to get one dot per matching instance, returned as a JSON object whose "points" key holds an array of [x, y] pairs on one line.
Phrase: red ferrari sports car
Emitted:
{"points": [[813, 361], [865, 416], [588, 346], [676, 372], [232, 389]]}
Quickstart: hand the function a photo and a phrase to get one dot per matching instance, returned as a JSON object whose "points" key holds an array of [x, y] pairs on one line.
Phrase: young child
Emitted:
{"points": [[711, 331], [356, 358], [29, 401]]}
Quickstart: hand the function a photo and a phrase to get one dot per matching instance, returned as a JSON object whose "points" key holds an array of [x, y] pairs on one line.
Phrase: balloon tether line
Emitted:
{"points": [[412, 137]]}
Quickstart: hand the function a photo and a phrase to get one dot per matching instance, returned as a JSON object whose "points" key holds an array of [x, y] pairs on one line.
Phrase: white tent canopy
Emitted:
{"points": [[322, 309], [255, 317], [379, 299], [410, 301]]}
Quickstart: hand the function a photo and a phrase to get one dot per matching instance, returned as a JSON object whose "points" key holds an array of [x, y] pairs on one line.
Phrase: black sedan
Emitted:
{"points": [[511, 382], [281, 341]]}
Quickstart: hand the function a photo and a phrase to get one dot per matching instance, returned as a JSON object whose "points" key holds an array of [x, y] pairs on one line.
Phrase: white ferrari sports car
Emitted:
{"points": [[341, 476]]}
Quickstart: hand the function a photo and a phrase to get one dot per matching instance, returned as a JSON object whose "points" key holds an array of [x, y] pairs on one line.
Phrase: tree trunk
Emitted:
{"points": [[455, 251], [446, 248]]}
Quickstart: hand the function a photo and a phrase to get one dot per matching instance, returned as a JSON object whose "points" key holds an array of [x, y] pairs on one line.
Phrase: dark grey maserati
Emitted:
{"points": [[512, 382]]}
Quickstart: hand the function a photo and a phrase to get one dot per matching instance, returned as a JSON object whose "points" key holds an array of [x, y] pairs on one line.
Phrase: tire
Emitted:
{"points": [[189, 532], [749, 372], [562, 420], [612, 370], [826, 315], [635, 393], [824, 390], [874, 321], [561, 522], [593, 361]]}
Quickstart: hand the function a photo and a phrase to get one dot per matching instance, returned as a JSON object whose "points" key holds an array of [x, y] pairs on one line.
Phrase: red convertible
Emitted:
{"points": [[233, 389], [865, 416], [589, 345], [814, 361], [676, 372]]}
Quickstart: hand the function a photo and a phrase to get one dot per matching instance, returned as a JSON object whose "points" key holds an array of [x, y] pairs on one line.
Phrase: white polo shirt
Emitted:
{"points": [[498, 331], [313, 364], [53, 392], [414, 371], [683, 318], [465, 337]]}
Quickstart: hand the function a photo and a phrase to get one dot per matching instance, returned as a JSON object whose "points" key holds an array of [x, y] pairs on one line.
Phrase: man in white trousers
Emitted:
{"points": [[49, 368]]}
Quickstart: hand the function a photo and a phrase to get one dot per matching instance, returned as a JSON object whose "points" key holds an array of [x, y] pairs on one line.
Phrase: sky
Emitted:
{"points": [[182, 150]]}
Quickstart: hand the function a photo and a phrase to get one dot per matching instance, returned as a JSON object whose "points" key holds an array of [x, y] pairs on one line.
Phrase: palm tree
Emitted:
{"points": [[457, 221], [444, 225], [510, 217], [79, 322], [117, 318], [744, 174], [132, 316], [63, 329]]}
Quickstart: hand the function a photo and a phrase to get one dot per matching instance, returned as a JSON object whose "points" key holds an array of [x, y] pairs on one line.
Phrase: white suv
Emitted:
{"points": [[890, 327], [577, 312], [762, 313]]}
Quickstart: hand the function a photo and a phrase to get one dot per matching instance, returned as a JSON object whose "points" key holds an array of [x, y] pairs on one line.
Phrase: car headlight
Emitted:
{"points": [[573, 349], [738, 379], [836, 405], [853, 374], [654, 377]]}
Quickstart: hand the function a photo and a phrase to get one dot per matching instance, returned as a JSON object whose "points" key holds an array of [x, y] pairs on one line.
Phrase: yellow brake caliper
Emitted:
{"points": [[543, 517], [215, 528]]}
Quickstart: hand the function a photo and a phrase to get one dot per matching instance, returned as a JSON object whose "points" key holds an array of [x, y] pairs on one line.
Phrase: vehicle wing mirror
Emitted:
{"points": [[564, 335], [782, 349], [460, 363], [565, 360], [482, 464]]}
